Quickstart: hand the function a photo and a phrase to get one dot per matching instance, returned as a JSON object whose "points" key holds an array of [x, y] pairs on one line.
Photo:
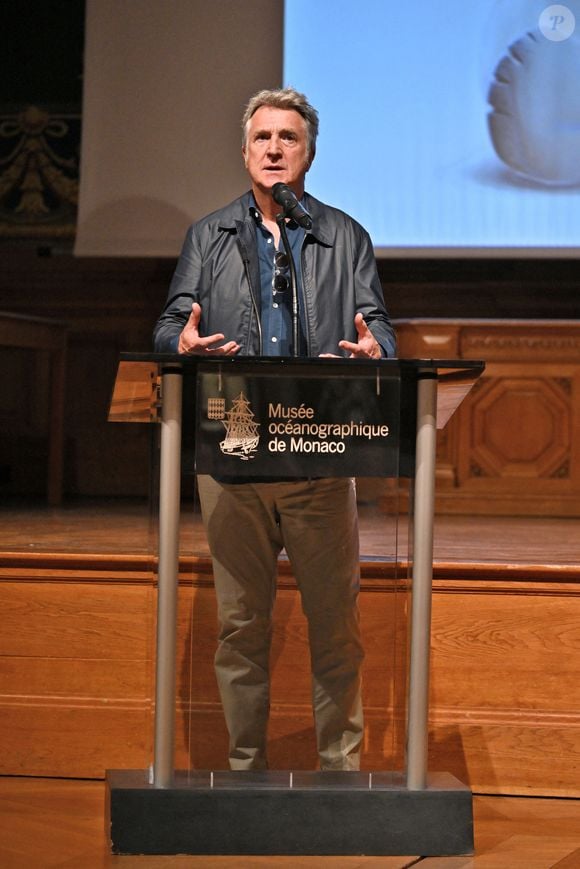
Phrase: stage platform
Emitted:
{"points": [[77, 591], [462, 543]]}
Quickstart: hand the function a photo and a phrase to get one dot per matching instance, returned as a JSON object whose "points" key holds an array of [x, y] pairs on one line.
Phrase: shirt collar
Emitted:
{"points": [[257, 217]]}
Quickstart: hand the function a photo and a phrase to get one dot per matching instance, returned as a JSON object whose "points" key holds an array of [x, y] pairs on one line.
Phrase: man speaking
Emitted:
{"points": [[232, 294]]}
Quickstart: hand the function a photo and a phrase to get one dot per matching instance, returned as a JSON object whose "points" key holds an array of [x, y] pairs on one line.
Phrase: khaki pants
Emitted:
{"points": [[247, 525]]}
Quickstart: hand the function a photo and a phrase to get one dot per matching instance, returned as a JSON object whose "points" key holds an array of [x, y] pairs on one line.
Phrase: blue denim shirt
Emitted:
{"points": [[276, 310]]}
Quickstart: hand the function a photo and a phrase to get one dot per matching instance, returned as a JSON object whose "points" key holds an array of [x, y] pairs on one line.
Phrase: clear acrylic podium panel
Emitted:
{"points": [[386, 521], [201, 740]]}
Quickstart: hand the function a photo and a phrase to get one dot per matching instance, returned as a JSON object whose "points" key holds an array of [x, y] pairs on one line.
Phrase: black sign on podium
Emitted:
{"points": [[292, 418], [265, 425]]}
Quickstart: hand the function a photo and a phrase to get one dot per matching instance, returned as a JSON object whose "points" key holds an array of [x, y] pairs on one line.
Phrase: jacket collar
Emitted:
{"points": [[323, 228]]}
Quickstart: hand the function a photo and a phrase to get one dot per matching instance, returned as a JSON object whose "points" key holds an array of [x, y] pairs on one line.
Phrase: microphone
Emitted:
{"points": [[282, 194]]}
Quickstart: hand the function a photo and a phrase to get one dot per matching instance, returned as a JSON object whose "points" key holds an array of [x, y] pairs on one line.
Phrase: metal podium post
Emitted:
{"points": [[424, 510], [167, 578]]}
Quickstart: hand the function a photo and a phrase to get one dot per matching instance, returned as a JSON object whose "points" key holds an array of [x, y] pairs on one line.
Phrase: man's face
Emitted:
{"points": [[276, 149]]}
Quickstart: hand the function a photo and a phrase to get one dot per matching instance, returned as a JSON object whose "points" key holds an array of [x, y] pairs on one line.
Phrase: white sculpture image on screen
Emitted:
{"points": [[535, 119]]}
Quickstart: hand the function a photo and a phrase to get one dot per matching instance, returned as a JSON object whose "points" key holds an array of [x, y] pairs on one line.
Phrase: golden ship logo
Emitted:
{"points": [[242, 436]]}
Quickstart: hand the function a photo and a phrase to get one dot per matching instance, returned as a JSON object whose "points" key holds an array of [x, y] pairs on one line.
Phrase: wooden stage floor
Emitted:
{"points": [[122, 527], [50, 823]]}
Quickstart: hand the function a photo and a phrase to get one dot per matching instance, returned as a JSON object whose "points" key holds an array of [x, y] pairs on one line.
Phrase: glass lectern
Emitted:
{"points": [[376, 421]]}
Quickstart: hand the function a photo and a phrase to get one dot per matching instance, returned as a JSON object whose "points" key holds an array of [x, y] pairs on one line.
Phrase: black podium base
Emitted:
{"points": [[309, 813]]}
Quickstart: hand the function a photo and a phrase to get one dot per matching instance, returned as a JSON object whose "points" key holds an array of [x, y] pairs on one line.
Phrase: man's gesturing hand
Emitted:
{"points": [[192, 344], [366, 346]]}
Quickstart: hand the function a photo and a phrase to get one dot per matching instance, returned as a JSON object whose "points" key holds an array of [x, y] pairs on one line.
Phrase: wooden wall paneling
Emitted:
{"points": [[499, 658], [471, 288], [518, 437], [73, 740], [512, 448], [44, 341], [109, 306], [102, 459], [23, 443], [385, 607], [505, 685], [75, 675], [201, 739]]}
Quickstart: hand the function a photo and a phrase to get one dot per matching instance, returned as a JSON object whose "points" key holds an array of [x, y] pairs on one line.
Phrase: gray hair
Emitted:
{"points": [[284, 98]]}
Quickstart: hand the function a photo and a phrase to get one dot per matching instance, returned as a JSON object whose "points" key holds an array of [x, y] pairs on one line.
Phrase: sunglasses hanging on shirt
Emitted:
{"points": [[281, 276]]}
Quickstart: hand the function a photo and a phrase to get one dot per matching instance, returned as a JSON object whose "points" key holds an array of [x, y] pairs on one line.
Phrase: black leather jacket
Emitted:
{"points": [[218, 268]]}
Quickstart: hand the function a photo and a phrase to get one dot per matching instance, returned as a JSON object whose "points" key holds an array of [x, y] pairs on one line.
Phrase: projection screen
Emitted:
{"points": [[446, 128]]}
